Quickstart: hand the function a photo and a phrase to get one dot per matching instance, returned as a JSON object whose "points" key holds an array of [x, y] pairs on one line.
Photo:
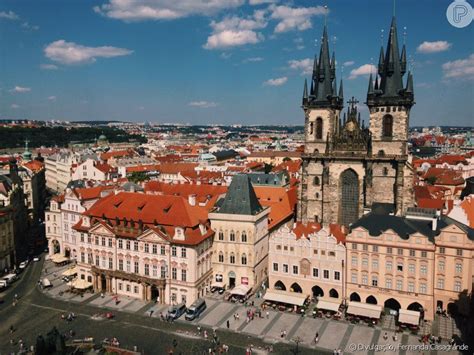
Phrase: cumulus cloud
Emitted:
{"points": [[433, 47], [259, 2], [459, 69], [365, 69], [276, 81], [236, 31], [298, 18], [143, 10], [9, 15], [20, 89], [48, 66], [304, 65], [252, 60], [70, 53], [202, 104], [348, 63]]}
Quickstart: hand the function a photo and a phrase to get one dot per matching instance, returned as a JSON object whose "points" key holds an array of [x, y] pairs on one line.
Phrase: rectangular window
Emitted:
{"points": [[163, 272], [162, 250], [354, 260], [147, 269], [154, 249], [375, 264], [411, 286], [82, 236], [127, 265], [459, 252], [399, 285], [111, 263], [411, 268], [120, 244], [128, 288], [412, 252], [295, 269], [155, 270], [440, 283], [120, 266], [354, 246], [423, 288], [183, 252], [315, 272], [458, 268], [147, 248], [183, 275], [120, 286], [375, 248], [174, 273], [400, 251], [135, 246], [135, 289], [285, 268], [127, 245], [89, 239], [389, 250], [275, 266], [365, 247], [173, 251], [388, 266], [337, 275], [354, 278], [326, 274], [83, 257], [364, 279], [89, 258], [103, 241], [375, 281], [136, 268], [442, 250], [388, 283], [423, 269], [424, 254], [110, 242], [365, 262], [457, 286], [399, 267]]}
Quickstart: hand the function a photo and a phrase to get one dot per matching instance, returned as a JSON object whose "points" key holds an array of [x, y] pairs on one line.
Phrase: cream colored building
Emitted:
{"points": [[309, 260], [241, 242], [7, 245], [417, 262]]}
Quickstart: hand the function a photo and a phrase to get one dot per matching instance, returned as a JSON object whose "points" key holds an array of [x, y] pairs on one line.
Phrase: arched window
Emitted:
{"points": [[232, 236], [244, 237], [221, 257], [221, 235], [311, 128], [244, 259], [316, 181], [387, 126], [232, 258], [319, 128]]}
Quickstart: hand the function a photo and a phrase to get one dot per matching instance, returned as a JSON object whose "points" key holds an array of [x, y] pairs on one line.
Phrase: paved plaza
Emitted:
{"points": [[274, 327]]}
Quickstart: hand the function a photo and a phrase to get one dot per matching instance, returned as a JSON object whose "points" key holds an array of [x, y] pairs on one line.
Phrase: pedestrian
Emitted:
{"points": [[385, 336], [395, 337], [267, 314], [199, 329], [228, 324], [205, 334], [151, 312]]}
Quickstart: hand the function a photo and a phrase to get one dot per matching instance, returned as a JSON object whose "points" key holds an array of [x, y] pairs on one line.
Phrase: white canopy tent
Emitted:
{"points": [[287, 297], [408, 317], [240, 290], [328, 304], [364, 309], [219, 284]]}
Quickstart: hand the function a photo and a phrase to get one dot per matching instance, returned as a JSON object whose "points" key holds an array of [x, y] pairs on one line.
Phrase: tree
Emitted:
{"points": [[138, 176], [431, 180]]}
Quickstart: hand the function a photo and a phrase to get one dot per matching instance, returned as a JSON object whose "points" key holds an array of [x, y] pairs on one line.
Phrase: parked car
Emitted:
{"points": [[195, 310], [23, 264], [36, 258], [177, 311]]}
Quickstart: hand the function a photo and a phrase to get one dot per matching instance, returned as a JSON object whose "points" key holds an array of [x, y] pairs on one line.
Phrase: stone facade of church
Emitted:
{"points": [[348, 166]]}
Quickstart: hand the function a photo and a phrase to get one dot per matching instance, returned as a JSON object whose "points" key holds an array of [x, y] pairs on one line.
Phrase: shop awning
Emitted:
{"points": [[286, 297], [328, 304], [58, 259], [364, 309], [80, 284], [219, 284], [408, 317], [240, 290], [70, 272]]}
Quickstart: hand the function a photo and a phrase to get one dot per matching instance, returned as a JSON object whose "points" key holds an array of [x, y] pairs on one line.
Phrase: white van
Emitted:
{"points": [[10, 278]]}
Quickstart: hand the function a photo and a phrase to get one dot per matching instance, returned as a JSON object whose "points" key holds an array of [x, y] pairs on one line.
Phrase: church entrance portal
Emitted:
{"points": [[349, 203]]}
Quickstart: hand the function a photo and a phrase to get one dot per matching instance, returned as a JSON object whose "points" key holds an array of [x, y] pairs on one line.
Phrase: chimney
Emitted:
{"points": [[192, 199]]}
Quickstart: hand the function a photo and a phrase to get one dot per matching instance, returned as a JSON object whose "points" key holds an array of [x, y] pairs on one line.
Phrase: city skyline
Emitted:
{"points": [[224, 62]]}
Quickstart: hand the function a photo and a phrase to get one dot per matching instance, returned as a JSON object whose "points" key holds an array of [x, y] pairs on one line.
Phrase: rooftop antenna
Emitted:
{"points": [[381, 36], [325, 15], [404, 34]]}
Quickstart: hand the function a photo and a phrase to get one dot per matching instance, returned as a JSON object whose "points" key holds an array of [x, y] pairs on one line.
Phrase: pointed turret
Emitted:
{"points": [[403, 61], [334, 88], [409, 88], [376, 87], [305, 92], [333, 66], [323, 83], [315, 67], [381, 61], [370, 89], [341, 92]]}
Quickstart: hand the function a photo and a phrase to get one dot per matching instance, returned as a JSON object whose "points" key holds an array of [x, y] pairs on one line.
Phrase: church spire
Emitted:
{"points": [[409, 88], [370, 89], [403, 60], [305, 92], [341, 92]]}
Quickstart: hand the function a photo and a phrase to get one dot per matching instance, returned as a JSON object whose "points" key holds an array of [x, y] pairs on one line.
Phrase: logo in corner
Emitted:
{"points": [[459, 13]]}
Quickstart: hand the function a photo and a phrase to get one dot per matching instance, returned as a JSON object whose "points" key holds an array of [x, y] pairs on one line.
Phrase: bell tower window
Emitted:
{"points": [[311, 128], [319, 128], [387, 126]]}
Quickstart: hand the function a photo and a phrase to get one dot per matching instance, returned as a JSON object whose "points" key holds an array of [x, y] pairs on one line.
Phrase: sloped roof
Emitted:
{"points": [[241, 197]]}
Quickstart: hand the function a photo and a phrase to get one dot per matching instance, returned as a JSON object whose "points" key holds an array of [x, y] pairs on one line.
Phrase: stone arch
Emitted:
{"points": [[392, 303], [349, 197], [415, 306], [333, 293], [279, 286], [317, 291], [371, 300], [387, 126], [56, 246], [354, 297], [319, 128], [295, 287]]}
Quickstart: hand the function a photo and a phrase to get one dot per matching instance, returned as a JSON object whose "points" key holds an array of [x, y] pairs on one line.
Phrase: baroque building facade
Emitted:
{"points": [[346, 161]]}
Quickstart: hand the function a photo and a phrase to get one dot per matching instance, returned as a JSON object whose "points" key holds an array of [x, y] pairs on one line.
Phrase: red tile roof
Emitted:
{"points": [[452, 160], [34, 165], [305, 229], [117, 154], [281, 200], [445, 176], [91, 193]]}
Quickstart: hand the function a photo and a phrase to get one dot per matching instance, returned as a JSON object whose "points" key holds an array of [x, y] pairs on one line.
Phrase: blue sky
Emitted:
{"points": [[217, 61]]}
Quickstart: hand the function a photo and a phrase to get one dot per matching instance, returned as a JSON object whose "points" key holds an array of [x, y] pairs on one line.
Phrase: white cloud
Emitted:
{"points": [[252, 60], [48, 66], [143, 10], [260, 2], [365, 69], [298, 18], [305, 65], [433, 47], [348, 63], [14, 106], [9, 15], [70, 53], [30, 27], [459, 69], [225, 55], [52, 98], [276, 81], [203, 104], [20, 89], [236, 31]]}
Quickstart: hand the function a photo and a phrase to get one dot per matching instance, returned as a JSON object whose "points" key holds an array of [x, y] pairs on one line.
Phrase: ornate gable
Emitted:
{"points": [[152, 236], [101, 229]]}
